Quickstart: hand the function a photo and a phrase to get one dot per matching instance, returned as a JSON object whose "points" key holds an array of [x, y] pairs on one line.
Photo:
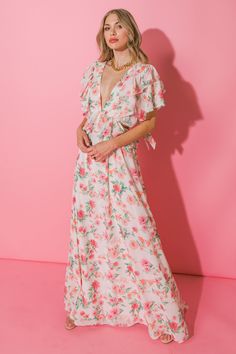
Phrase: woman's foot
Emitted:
{"points": [[166, 338], [69, 324]]}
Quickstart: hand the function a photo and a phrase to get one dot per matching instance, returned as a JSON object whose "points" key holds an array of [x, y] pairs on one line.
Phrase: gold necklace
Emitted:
{"points": [[124, 66]]}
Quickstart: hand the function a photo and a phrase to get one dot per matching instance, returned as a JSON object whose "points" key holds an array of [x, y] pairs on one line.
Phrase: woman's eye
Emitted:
{"points": [[107, 28]]}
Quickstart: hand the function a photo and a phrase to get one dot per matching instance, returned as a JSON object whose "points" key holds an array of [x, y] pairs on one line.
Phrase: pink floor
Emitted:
{"points": [[32, 316]]}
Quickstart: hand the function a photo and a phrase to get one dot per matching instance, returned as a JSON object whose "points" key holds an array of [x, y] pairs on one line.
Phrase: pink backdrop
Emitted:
{"points": [[190, 177]]}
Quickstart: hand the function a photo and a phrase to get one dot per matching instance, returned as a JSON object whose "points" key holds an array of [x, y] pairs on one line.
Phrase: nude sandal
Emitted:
{"points": [[165, 341], [69, 323]]}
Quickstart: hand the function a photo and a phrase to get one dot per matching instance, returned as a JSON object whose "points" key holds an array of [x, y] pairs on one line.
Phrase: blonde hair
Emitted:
{"points": [[134, 42]]}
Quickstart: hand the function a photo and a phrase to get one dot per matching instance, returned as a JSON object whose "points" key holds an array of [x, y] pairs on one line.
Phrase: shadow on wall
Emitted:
{"points": [[181, 112]]}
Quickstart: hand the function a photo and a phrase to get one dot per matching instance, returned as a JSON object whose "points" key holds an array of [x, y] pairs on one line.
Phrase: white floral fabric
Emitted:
{"points": [[117, 272]]}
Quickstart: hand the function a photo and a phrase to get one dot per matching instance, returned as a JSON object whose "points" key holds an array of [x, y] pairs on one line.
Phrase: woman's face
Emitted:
{"points": [[113, 29]]}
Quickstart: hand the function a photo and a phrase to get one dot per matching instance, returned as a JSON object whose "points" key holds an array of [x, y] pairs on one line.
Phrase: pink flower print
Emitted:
{"points": [[119, 289], [119, 203], [103, 178], [110, 275], [91, 254], [73, 200], [103, 119], [130, 269], [109, 223], [92, 204], [120, 174], [118, 217], [95, 90], [166, 275], [83, 187], [106, 132], [135, 306], [134, 228], [114, 312], [153, 324], [115, 288], [141, 239], [147, 305], [114, 252], [82, 229], [130, 200], [84, 300], [133, 244], [80, 214], [143, 281], [106, 235], [101, 316], [94, 300], [173, 325], [114, 300], [102, 193], [95, 313], [82, 171], [116, 187], [160, 93], [142, 68], [114, 106], [142, 220], [134, 172], [93, 243], [146, 264], [83, 258], [95, 284]]}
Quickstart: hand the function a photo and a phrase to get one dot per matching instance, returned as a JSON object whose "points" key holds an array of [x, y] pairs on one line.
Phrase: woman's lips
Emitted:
{"points": [[113, 40]]}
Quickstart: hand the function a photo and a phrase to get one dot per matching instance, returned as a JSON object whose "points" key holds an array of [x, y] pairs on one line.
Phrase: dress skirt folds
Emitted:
{"points": [[117, 272]]}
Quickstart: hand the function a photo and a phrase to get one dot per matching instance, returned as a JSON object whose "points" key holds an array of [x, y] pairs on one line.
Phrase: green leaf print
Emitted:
{"points": [[118, 187]]}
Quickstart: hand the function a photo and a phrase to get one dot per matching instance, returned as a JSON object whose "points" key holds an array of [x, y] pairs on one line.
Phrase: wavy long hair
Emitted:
{"points": [[134, 35]]}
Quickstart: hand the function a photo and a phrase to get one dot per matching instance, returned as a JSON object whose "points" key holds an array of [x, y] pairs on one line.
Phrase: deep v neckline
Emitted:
{"points": [[114, 87]]}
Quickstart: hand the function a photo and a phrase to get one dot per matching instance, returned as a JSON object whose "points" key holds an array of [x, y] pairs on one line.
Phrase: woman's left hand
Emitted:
{"points": [[101, 150]]}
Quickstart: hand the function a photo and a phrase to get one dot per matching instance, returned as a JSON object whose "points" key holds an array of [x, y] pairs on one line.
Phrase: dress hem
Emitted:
{"points": [[92, 322]]}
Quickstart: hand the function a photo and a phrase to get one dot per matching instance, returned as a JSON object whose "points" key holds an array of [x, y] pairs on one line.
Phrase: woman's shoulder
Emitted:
{"points": [[146, 73], [88, 72], [146, 67]]}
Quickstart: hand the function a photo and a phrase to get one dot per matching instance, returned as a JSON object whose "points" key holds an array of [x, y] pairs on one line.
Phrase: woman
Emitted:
{"points": [[117, 272]]}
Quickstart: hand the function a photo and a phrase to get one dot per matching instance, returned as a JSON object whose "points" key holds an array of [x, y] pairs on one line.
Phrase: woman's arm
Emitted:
{"points": [[82, 123], [136, 132], [103, 149]]}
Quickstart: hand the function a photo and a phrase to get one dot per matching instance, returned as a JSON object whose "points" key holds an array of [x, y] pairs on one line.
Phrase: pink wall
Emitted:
{"points": [[190, 178]]}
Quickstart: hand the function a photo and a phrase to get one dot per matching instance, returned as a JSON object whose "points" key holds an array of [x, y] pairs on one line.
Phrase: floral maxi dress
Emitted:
{"points": [[117, 273]]}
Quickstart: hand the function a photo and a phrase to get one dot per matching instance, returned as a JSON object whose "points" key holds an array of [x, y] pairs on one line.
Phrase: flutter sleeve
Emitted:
{"points": [[150, 96], [86, 82]]}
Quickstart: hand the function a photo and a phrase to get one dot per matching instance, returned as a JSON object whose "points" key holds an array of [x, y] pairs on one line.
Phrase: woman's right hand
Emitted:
{"points": [[83, 141]]}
